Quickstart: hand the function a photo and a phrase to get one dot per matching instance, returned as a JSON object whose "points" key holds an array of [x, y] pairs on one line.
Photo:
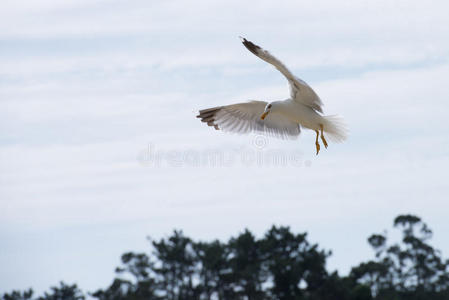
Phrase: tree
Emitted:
{"points": [[297, 268], [18, 295], [245, 262], [410, 270], [284, 253], [63, 292], [141, 286], [281, 265], [213, 269], [176, 267]]}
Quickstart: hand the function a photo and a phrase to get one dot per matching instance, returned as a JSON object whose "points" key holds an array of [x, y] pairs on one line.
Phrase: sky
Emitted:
{"points": [[100, 147]]}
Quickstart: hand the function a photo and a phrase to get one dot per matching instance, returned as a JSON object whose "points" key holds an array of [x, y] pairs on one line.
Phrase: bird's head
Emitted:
{"points": [[267, 111]]}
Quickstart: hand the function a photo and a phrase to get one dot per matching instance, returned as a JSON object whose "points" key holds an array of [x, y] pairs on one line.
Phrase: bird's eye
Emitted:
{"points": [[269, 106]]}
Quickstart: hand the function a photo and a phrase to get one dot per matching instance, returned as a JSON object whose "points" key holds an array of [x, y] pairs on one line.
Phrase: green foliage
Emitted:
{"points": [[281, 265]]}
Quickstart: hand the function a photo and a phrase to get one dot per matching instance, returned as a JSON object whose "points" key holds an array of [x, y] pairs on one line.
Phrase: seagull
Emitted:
{"points": [[281, 119]]}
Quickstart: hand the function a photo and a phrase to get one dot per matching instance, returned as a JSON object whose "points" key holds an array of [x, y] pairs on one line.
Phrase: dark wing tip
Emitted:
{"points": [[250, 45], [208, 116]]}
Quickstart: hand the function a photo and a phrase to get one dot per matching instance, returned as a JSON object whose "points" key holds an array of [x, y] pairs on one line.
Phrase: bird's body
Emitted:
{"points": [[278, 118], [296, 112]]}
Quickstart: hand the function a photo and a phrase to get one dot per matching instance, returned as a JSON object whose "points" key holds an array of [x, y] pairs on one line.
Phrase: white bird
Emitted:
{"points": [[278, 118]]}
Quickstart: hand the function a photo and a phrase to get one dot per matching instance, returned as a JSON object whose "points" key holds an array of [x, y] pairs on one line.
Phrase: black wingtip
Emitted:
{"points": [[208, 116], [250, 45]]}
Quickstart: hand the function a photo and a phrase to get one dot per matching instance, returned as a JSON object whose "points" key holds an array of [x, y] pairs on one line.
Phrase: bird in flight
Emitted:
{"points": [[282, 119]]}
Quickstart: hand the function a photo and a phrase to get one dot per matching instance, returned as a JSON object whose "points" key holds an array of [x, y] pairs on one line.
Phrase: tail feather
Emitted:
{"points": [[335, 128]]}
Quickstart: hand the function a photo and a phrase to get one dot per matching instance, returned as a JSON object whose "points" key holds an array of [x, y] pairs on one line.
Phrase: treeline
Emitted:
{"points": [[281, 265]]}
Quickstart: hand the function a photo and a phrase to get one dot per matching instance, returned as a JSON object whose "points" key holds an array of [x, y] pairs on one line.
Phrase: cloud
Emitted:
{"points": [[171, 35]]}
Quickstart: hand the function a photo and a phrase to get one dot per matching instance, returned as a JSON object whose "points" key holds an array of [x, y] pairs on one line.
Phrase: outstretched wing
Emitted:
{"points": [[245, 118], [299, 90]]}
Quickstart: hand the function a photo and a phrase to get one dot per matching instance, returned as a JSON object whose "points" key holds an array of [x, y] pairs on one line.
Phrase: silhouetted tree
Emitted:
{"points": [[297, 268], [63, 292], [125, 289], [285, 261], [141, 286], [176, 267], [245, 262], [281, 265], [18, 295], [213, 269], [410, 270]]}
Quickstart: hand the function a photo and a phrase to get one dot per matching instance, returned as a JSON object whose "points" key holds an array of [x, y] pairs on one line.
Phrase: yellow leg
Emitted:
{"points": [[316, 142], [322, 136]]}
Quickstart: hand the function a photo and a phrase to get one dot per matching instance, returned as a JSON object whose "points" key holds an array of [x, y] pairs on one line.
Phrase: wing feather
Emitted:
{"points": [[245, 118], [300, 91]]}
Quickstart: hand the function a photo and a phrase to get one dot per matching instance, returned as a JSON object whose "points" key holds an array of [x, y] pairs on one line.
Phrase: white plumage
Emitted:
{"points": [[278, 118]]}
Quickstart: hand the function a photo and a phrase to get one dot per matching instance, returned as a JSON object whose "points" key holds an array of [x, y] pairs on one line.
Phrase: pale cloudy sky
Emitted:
{"points": [[100, 146]]}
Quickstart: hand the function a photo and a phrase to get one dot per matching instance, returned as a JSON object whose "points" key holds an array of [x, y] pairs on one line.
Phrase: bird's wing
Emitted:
{"points": [[299, 90], [245, 118]]}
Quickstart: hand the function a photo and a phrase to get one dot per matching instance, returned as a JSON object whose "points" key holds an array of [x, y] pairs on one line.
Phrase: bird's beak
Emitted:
{"points": [[264, 115]]}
